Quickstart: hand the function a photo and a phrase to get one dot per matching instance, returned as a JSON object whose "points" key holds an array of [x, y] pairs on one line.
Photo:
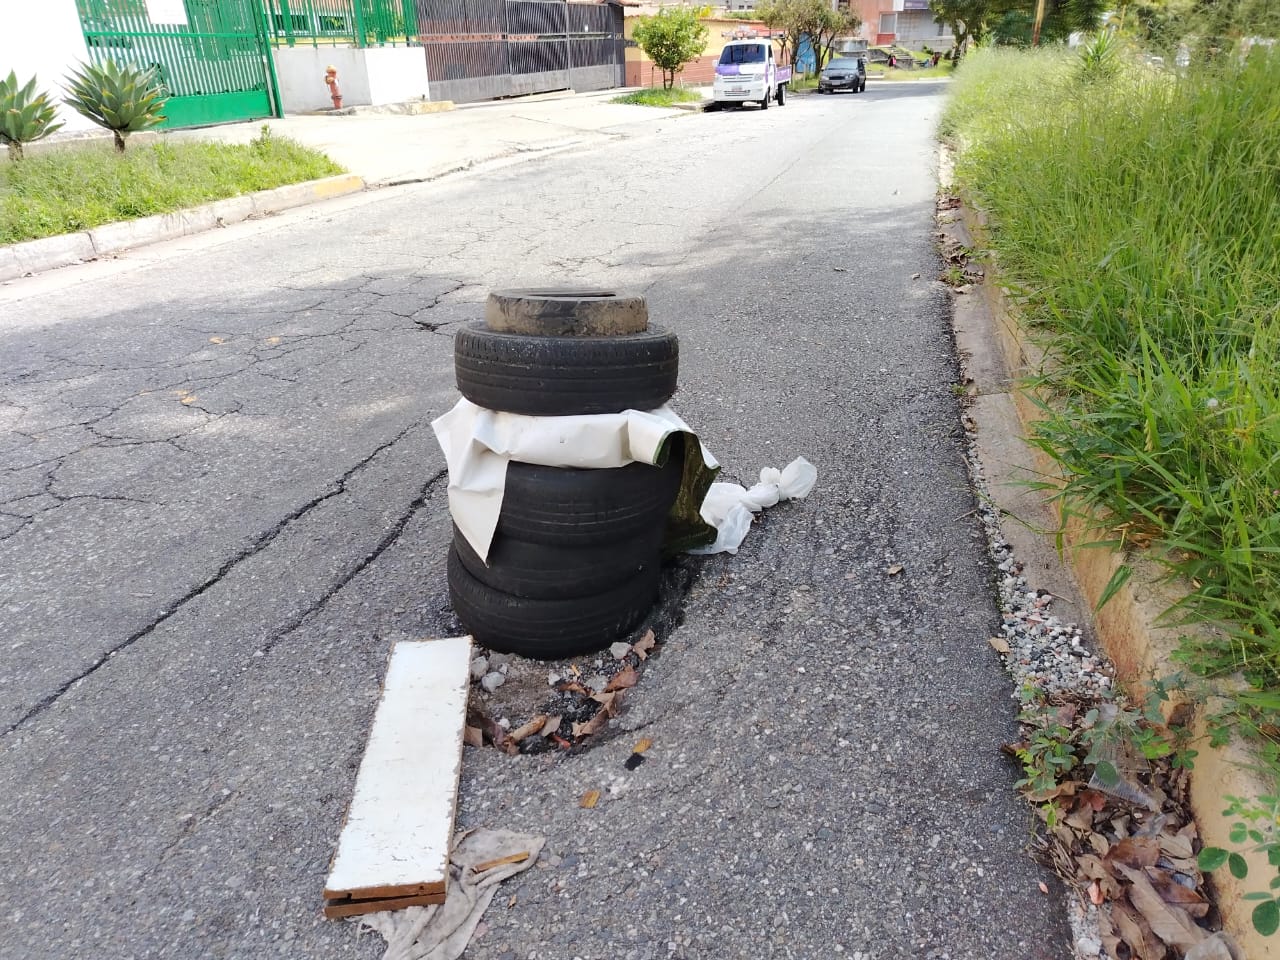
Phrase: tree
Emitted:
{"points": [[671, 38], [968, 19], [815, 19]]}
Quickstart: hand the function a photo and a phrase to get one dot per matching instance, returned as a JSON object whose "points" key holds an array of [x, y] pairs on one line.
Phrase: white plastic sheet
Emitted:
{"points": [[478, 444]]}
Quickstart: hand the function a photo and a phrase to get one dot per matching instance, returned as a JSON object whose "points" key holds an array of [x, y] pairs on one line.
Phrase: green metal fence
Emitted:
{"points": [[360, 23], [211, 55]]}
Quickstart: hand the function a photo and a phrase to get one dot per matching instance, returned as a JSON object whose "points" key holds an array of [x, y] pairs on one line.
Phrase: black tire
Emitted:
{"points": [[563, 506], [538, 571], [548, 629], [782, 95], [563, 376], [764, 102]]}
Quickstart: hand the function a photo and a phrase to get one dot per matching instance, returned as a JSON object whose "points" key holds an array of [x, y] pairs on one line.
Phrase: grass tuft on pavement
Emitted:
{"points": [[66, 190], [657, 97], [1136, 218]]}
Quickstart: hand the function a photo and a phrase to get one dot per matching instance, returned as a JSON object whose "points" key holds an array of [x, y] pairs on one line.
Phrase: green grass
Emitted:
{"points": [[943, 69], [803, 82], [72, 189], [1136, 218], [657, 97]]}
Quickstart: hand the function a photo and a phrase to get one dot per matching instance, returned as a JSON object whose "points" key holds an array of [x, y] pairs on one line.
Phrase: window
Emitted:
{"points": [[743, 53], [888, 23]]}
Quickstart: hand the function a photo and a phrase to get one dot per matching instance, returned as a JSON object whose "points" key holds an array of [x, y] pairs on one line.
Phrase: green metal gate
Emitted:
{"points": [[211, 55]]}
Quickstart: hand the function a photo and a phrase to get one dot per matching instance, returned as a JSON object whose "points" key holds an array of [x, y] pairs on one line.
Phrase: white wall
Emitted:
{"points": [[377, 75], [43, 37]]}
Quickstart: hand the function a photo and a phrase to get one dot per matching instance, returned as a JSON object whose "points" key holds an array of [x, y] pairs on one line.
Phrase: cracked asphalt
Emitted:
{"points": [[220, 502]]}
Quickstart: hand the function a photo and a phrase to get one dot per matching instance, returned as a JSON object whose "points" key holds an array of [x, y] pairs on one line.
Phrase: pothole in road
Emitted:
{"points": [[565, 706]]}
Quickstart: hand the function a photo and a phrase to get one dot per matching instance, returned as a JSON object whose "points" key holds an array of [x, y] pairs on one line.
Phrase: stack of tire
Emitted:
{"points": [[576, 559]]}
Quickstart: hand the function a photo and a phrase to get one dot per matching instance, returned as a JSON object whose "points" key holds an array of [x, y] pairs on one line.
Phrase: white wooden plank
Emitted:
{"points": [[398, 829]]}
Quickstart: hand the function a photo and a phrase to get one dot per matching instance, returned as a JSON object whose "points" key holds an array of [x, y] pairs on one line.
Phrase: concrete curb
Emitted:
{"points": [[35, 256], [1130, 627]]}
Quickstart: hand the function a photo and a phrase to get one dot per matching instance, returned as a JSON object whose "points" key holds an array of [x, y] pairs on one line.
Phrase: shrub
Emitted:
{"points": [[124, 99], [25, 116]]}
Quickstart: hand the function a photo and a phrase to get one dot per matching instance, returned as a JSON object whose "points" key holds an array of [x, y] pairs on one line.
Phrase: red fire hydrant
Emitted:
{"points": [[331, 80]]}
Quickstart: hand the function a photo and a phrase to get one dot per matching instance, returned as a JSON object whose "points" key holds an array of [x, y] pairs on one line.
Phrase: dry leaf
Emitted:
{"points": [[606, 698], [273, 340], [1168, 922], [1135, 932], [472, 736], [1044, 887], [1171, 891], [573, 687], [1099, 843], [642, 745], [217, 340], [894, 570], [512, 902], [622, 680], [1135, 852], [551, 726], [1095, 894], [1092, 867], [642, 646], [589, 799], [1178, 847], [915, 276], [529, 729], [999, 644], [608, 708]]}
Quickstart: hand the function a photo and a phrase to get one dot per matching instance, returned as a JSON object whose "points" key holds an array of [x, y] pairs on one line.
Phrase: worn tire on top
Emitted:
{"points": [[564, 376], [548, 629]]}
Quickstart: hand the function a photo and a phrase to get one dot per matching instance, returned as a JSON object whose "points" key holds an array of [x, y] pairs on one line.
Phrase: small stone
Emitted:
{"points": [[479, 667], [824, 833], [492, 681], [553, 678], [620, 649], [597, 683]]}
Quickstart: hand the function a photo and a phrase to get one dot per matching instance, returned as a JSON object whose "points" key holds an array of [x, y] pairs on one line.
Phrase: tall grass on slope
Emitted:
{"points": [[1140, 220]]}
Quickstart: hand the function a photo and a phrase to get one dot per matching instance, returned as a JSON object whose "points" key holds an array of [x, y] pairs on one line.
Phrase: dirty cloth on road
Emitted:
{"points": [[442, 932]]}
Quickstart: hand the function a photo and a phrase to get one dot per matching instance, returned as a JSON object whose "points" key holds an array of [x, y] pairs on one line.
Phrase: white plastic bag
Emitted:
{"points": [[728, 506]]}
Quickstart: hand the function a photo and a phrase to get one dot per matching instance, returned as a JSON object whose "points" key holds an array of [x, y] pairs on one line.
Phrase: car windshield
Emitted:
{"points": [[843, 64], [743, 53]]}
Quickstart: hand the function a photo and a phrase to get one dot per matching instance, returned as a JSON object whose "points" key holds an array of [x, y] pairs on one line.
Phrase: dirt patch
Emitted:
{"points": [[575, 698]]}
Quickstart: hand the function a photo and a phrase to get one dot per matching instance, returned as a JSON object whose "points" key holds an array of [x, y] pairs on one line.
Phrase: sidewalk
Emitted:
{"points": [[387, 149]]}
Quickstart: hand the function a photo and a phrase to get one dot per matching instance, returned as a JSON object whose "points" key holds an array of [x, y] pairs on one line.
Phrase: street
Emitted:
{"points": [[221, 501]]}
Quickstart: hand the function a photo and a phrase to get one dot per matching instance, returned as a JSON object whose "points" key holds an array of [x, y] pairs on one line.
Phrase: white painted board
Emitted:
{"points": [[398, 829]]}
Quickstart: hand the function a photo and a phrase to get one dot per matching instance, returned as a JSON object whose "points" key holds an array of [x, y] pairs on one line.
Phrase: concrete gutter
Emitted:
{"points": [[35, 256], [996, 355]]}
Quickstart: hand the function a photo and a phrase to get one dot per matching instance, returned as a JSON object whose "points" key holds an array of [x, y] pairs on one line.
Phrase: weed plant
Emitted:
{"points": [[1136, 216], [658, 97], [70, 189]]}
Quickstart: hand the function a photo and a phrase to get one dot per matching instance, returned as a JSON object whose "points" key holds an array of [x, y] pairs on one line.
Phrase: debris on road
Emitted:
{"points": [[393, 853], [481, 860]]}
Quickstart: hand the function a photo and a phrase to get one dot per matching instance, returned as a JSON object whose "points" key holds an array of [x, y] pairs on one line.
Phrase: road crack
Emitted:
{"points": [[258, 544]]}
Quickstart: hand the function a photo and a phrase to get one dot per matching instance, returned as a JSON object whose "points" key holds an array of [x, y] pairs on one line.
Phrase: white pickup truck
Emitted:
{"points": [[747, 73]]}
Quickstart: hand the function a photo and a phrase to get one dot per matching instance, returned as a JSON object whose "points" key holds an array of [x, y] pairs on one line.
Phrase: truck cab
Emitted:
{"points": [[748, 72]]}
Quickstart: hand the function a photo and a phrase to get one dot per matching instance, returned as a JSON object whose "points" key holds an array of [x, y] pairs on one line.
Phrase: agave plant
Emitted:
{"points": [[122, 98], [25, 116]]}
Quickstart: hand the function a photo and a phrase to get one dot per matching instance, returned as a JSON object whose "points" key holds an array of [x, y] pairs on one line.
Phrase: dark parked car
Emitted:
{"points": [[843, 73]]}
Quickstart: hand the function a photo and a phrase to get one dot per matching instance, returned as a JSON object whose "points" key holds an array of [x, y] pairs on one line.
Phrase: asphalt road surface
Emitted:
{"points": [[220, 501]]}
